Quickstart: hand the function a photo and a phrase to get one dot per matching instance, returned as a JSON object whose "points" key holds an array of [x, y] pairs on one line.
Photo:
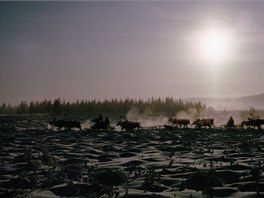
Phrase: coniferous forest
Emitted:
{"points": [[58, 106]]}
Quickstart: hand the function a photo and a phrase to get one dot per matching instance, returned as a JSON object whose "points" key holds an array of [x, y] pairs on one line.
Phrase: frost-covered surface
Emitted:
{"points": [[38, 162]]}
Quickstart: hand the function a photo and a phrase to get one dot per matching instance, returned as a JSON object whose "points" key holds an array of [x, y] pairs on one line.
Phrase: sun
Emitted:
{"points": [[214, 46]]}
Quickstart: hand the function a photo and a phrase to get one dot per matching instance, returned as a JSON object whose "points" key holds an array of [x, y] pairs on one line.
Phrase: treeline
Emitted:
{"points": [[59, 106]]}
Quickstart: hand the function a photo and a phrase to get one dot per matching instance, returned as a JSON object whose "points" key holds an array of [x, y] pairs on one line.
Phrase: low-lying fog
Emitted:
{"points": [[149, 119]]}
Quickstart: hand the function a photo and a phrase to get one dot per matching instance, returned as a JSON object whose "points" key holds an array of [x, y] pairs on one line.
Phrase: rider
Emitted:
{"points": [[98, 120]]}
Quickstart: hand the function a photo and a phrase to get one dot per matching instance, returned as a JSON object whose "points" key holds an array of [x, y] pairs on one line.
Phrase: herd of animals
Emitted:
{"points": [[104, 124]]}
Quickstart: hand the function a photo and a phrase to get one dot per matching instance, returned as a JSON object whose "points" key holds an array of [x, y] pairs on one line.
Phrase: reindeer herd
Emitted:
{"points": [[100, 124]]}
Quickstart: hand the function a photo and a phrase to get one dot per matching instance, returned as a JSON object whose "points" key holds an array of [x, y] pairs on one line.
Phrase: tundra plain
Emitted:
{"points": [[38, 161]]}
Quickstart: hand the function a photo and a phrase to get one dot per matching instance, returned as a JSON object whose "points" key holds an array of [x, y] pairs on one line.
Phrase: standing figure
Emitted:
{"points": [[107, 123], [230, 123]]}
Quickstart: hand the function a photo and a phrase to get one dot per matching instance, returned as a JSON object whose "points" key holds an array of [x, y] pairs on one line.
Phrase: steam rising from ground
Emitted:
{"points": [[87, 124], [220, 117], [148, 119]]}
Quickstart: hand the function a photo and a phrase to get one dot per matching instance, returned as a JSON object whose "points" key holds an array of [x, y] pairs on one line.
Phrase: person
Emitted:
{"points": [[98, 120], [230, 122], [107, 122]]}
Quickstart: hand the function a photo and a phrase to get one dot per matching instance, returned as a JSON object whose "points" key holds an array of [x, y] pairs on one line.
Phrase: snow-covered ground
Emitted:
{"points": [[36, 161]]}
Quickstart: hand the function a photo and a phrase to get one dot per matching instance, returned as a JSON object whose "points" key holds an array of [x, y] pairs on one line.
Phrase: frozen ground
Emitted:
{"points": [[38, 162]]}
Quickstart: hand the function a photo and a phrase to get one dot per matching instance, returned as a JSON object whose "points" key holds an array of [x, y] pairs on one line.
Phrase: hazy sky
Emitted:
{"points": [[86, 50]]}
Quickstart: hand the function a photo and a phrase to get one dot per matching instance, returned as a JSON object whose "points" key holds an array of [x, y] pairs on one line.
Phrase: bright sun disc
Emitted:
{"points": [[214, 46]]}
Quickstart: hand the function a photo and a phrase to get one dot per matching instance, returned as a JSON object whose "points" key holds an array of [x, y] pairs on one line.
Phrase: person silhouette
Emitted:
{"points": [[230, 122], [100, 119], [107, 122]]}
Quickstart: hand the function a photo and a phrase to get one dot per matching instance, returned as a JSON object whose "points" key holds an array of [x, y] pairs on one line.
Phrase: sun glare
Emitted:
{"points": [[214, 46]]}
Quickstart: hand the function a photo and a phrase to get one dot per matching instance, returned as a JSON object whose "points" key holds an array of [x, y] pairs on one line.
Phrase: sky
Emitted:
{"points": [[105, 50]]}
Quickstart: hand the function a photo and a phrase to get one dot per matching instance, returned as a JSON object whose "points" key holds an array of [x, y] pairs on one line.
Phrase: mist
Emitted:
{"points": [[220, 117], [148, 119]]}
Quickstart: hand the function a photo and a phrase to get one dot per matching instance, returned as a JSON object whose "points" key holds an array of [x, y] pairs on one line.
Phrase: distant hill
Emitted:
{"points": [[239, 103]]}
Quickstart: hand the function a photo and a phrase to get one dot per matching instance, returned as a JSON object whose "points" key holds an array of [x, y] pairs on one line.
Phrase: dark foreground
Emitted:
{"points": [[38, 162]]}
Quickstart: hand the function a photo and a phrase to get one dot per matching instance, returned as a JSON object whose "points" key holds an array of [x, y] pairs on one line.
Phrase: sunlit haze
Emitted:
{"points": [[105, 50], [215, 45]]}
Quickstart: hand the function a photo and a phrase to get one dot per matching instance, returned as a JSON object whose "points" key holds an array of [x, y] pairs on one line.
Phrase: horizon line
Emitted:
{"points": [[125, 98]]}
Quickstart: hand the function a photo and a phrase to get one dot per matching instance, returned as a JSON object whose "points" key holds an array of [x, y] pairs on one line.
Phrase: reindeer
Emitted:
{"points": [[128, 125]]}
